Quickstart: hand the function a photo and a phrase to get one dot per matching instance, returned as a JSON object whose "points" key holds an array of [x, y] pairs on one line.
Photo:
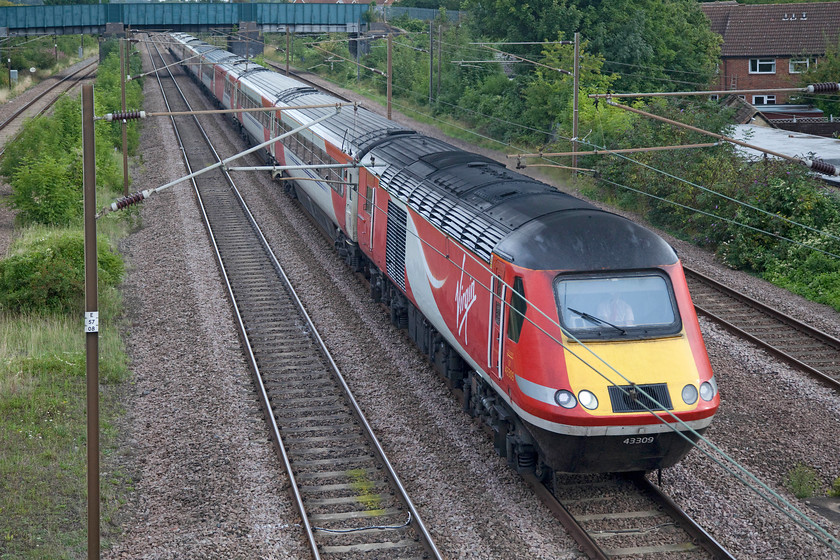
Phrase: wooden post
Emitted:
{"points": [[91, 322], [390, 68]]}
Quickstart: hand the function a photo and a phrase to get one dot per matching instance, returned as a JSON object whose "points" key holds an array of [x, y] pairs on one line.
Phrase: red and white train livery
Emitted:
{"points": [[570, 329]]}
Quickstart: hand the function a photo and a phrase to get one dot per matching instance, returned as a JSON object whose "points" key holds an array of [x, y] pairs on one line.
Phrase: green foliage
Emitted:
{"points": [[834, 491], [513, 21], [42, 192], [370, 15], [827, 70], [549, 94], [652, 45], [783, 200], [108, 98], [45, 272], [802, 480], [655, 45], [47, 188]]}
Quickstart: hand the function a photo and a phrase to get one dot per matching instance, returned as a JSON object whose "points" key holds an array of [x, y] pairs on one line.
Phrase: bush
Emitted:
{"points": [[42, 192], [802, 481], [45, 272], [834, 491]]}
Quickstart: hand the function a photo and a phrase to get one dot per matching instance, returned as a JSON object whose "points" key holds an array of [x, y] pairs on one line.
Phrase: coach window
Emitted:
{"points": [[518, 304], [369, 200]]}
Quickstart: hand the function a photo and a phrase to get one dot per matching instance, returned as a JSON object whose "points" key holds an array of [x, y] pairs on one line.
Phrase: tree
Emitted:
{"points": [[827, 70], [514, 21], [549, 96], [652, 44], [655, 45]]}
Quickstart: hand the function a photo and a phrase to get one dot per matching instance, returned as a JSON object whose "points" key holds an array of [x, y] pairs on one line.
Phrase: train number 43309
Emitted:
{"points": [[638, 440]]}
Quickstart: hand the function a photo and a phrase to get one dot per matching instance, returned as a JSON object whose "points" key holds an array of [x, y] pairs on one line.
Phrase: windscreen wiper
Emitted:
{"points": [[596, 320]]}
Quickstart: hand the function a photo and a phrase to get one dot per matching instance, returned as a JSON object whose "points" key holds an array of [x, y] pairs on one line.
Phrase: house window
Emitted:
{"points": [[764, 99], [762, 66], [714, 97], [800, 66]]}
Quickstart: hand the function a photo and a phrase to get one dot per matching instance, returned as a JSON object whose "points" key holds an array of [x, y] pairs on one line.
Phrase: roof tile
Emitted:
{"points": [[774, 29]]}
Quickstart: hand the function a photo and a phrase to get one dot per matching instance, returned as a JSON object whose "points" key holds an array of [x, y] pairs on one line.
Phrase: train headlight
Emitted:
{"points": [[565, 399], [689, 394], [588, 400], [709, 389]]}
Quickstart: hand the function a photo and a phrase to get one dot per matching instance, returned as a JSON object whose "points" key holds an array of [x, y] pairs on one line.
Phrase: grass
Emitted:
{"points": [[27, 80], [43, 480]]}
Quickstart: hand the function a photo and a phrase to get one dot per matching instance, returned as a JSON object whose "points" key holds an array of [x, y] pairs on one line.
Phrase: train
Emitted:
{"points": [[568, 330]]}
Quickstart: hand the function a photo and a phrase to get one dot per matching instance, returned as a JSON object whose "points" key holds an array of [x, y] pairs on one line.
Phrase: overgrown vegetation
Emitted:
{"points": [[834, 491], [42, 369], [767, 217], [803, 481]]}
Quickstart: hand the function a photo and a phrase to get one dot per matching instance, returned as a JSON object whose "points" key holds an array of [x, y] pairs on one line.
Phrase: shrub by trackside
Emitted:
{"points": [[45, 272]]}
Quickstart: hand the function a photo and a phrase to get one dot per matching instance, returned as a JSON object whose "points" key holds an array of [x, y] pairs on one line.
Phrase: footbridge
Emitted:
{"points": [[96, 19]]}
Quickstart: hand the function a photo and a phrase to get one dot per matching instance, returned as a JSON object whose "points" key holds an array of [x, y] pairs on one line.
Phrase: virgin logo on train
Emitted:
{"points": [[464, 299]]}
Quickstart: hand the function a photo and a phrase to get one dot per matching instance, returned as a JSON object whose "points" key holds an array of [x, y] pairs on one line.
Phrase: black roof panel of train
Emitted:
{"points": [[588, 240], [488, 207]]}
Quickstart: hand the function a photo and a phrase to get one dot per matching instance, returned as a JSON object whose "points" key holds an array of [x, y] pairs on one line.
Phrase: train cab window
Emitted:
{"points": [[518, 307], [617, 306]]}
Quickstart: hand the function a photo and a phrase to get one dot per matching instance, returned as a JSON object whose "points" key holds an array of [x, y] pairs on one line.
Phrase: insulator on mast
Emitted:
{"points": [[129, 200], [125, 116]]}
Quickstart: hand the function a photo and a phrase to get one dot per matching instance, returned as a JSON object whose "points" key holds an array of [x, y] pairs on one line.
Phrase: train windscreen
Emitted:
{"points": [[631, 305]]}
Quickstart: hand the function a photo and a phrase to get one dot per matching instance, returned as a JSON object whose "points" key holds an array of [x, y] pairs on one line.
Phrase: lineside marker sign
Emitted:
{"points": [[91, 321]]}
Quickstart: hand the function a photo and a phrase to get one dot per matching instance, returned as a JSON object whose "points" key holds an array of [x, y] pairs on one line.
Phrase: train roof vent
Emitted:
{"points": [[400, 184], [288, 94], [628, 398], [369, 140], [257, 70], [442, 160]]}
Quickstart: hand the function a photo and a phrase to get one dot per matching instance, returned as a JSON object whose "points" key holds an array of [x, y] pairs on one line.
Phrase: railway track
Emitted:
{"points": [[37, 106], [786, 337], [616, 516], [649, 524], [351, 501], [625, 516]]}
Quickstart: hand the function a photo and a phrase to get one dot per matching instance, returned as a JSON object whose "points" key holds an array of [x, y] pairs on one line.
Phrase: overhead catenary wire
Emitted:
{"points": [[814, 164], [714, 453], [824, 87], [655, 413], [680, 179]]}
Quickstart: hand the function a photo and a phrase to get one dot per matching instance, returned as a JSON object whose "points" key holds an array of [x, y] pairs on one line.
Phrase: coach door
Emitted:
{"points": [[366, 212], [351, 187], [497, 320]]}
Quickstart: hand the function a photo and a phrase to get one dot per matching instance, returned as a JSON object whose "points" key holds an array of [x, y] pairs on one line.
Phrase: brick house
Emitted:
{"points": [[770, 45]]}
